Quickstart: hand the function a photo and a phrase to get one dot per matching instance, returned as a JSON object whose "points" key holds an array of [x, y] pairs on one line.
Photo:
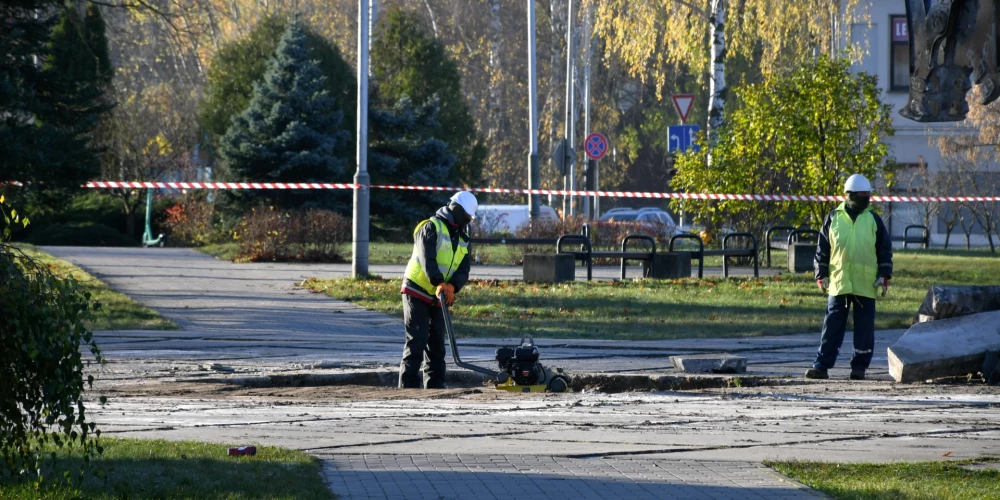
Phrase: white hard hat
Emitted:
{"points": [[857, 182], [467, 201]]}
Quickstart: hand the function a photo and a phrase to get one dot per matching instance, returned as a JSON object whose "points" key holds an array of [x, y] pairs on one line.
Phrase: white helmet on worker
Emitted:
{"points": [[857, 183], [467, 201]]}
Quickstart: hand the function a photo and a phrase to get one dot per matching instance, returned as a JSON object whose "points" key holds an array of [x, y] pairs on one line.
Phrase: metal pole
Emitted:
{"points": [[372, 15], [589, 171], [359, 262], [534, 175], [570, 112]]}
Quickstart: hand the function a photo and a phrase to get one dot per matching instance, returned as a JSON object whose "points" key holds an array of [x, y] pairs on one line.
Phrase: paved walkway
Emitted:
{"points": [[247, 314], [251, 318], [503, 477]]}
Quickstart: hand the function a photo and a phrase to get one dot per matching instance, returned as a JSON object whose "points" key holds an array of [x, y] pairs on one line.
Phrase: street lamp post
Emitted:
{"points": [[569, 205], [359, 246], [534, 175]]}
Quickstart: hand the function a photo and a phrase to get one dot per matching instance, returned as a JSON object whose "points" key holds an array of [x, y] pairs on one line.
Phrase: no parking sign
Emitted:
{"points": [[596, 146]]}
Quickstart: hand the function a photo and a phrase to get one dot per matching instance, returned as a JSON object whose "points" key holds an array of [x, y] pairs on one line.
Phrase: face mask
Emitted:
{"points": [[458, 213], [857, 202]]}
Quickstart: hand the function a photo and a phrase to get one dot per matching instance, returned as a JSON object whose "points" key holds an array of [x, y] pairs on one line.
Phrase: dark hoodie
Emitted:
{"points": [[425, 246]]}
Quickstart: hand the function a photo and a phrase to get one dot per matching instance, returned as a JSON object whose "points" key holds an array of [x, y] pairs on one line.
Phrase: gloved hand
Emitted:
{"points": [[823, 284], [884, 283], [449, 293]]}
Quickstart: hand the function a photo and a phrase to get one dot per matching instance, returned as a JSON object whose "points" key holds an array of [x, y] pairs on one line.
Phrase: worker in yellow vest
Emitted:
{"points": [[440, 263], [853, 266]]}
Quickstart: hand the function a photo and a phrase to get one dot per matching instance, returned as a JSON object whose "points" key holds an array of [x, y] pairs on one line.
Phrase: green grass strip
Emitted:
{"points": [[118, 311], [671, 309], [897, 480], [136, 468]]}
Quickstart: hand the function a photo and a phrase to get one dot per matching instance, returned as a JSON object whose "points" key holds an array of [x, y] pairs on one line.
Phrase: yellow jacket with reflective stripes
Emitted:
{"points": [[448, 259]]}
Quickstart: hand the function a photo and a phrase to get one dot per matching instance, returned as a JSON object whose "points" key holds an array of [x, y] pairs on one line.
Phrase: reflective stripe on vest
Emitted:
{"points": [[853, 261], [448, 260]]}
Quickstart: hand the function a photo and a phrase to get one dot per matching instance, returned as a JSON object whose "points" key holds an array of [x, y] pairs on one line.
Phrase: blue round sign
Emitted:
{"points": [[596, 146]]}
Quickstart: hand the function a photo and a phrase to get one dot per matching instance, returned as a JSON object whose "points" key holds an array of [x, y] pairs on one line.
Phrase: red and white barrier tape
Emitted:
{"points": [[218, 185], [560, 192]]}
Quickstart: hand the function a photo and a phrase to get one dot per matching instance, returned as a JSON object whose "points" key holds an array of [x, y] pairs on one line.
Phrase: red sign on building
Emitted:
{"points": [[900, 31]]}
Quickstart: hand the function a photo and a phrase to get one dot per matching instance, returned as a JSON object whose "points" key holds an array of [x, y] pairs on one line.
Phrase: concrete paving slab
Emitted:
{"points": [[731, 426], [944, 348]]}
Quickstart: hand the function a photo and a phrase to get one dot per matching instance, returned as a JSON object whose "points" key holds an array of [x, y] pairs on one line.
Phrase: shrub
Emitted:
{"points": [[546, 229], [41, 364], [80, 234], [190, 220], [311, 236]]}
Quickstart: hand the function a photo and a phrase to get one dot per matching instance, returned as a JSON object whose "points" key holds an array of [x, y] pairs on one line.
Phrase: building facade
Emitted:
{"points": [[886, 42]]}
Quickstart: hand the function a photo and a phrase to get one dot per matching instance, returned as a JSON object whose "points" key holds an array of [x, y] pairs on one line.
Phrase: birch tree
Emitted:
{"points": [[704, 35]]}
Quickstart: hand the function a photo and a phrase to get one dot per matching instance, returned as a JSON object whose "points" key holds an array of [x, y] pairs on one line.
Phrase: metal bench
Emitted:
{"points": [[726, 252], [699, 255], [924, 239], [587, 254]]}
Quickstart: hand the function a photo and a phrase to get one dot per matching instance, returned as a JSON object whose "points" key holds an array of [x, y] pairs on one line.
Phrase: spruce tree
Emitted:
{"points": [[407, 61], [47, 112], [403, 151], [288, 133], [237, 65]]}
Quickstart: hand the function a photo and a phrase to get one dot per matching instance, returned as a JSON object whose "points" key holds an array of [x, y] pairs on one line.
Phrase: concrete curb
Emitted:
{"points": [[376, 378], [599, 382]]}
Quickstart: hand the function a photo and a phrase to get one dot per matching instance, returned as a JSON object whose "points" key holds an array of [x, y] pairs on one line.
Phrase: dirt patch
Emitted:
{"points": [[315, 393]]}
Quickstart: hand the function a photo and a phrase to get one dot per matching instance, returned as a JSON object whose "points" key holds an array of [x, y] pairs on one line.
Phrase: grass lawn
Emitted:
{"points": [[668, 309], [388, 253], [223, 251], [902, 480], [118, 311], [136, 468]]}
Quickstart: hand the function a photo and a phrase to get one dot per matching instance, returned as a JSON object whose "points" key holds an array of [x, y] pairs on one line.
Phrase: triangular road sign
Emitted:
{"points": [[683, 104]]}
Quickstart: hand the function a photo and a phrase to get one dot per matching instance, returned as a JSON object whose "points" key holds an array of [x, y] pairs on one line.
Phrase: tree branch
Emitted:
{"points": [[697, 10]]}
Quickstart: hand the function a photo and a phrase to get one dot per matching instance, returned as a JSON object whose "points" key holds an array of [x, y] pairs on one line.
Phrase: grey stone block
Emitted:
{"points": [[710, 363], [944, 348], [800, 257], [549, 268], [953, 301], [668, 265], [991, 367]]}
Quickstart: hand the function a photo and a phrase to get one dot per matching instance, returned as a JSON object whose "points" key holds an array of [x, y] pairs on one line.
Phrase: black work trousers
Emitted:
{"points": [[425, 332]]}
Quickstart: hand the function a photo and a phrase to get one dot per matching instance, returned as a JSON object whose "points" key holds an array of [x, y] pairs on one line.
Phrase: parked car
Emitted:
{"points": [[655, 218], [507, 219]]}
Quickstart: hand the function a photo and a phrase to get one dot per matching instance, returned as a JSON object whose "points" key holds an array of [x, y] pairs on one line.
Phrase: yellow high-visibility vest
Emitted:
{"points": [[448, 260], [853, 261]]}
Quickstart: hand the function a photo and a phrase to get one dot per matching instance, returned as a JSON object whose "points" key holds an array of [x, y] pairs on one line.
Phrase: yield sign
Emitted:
{"points": [[683, 104]]}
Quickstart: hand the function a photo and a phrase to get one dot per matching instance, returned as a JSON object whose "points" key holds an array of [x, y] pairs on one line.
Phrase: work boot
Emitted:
{"points": [[817, 373], [857, 374]]}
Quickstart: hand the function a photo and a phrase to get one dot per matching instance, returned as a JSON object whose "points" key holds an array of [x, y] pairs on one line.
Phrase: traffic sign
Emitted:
{"points": [[560, 155], [682, 137], [683, 104], [596, 146]]}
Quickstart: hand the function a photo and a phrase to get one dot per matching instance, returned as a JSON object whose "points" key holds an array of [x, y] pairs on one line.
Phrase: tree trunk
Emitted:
{"points": [[129, 220], [496, 69], [717, 84], [434, 24], [557, 16]]}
